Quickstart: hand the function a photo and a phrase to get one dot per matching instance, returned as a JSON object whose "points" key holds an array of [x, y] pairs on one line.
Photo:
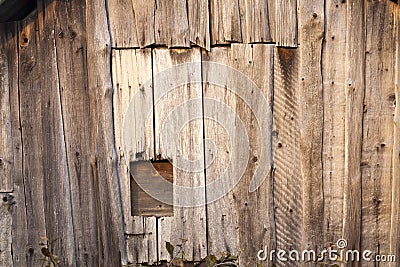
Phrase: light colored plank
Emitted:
{"points": [[377, 145], [6, 141], [199, 23], [171, 23], [6, 254], [255, 21], [225, 22], [355, 89], [333, 73], [132, 78], [123, 23], [179, 136], [286, 23], [144, 19], [240, 221], [104, 161], [272, 18], [288, 197], [311, 120]]}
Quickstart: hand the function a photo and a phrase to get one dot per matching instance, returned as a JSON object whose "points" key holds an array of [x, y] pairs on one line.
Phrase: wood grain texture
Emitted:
{"points": [[333, 56], [132, 70], [225, 22], [199, 23], [311, 119], [71, 63], [288, 197], [123, 23], [171, 23], [286, 23], [145, 22], [272, 18], [103, 152], [6, 258], [176, 114], [355, 90], [6, 141], [255, 21], [239, 222], [377, 144]]}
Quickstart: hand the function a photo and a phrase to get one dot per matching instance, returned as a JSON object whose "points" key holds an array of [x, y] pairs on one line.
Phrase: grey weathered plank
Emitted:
{"points": [[171, 23], [286, 23], [355, 89], [255, 21], [179, 136], [6, 258], [132, 70], [112, 250], [6, 141], [199, 23], [56, 184], [288, 197], [123, 27], [145, 22], [333, 74], [225, 22], [311, 120], [378, 123], [71, 64], [236, 221]]}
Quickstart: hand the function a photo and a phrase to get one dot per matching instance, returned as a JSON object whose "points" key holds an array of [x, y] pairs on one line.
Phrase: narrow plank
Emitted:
{"points": [[104, 166], [355, 89], [239, 222], [255, 21], [6, 141], [145, 22], [199, 23], [179, 136], [288, 197], [32, 135], [56, 184], [311, 119], [333, 56], [225, 22], [71, 63], [377, 145], [171, 23], [19, 220], [132, 71], [272, 19], [6, 258], [122, 15], [286, 23]]}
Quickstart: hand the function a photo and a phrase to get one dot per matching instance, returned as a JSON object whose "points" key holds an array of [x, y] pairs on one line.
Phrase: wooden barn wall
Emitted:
{"points": [[328, 69]]}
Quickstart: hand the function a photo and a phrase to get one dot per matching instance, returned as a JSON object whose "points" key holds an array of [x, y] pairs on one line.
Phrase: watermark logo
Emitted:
{"points": [[336, 253], [203, 108]]}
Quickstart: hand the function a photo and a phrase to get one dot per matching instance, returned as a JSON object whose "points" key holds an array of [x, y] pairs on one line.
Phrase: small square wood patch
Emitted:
{"points": [[148, 173]]}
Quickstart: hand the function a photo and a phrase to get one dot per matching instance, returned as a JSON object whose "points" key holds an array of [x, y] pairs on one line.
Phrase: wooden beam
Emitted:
{"points": [[12, 10]]}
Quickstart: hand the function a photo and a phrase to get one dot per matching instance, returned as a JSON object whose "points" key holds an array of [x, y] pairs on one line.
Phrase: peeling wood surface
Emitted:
{"points": [[286, 23], [225, 22]]}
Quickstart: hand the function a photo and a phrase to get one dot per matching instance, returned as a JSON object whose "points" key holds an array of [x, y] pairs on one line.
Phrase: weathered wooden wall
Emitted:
{"points": [[328, 69]]}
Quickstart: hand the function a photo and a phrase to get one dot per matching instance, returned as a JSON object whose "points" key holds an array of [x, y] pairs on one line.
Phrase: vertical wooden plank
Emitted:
{"points": [[286, 23], [71, 59], [333, 56], [171, 23], [225, 22], [6, 141], [255, 21], [272, 18], [6, 258], [112, 250], [288, 197], [123, 25], [56, 184], [132, 69], [377, 145], [178, 114], [31, 106], [144, 12], [199, 23], [355, 88], [311, 119], [239, 222]]}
